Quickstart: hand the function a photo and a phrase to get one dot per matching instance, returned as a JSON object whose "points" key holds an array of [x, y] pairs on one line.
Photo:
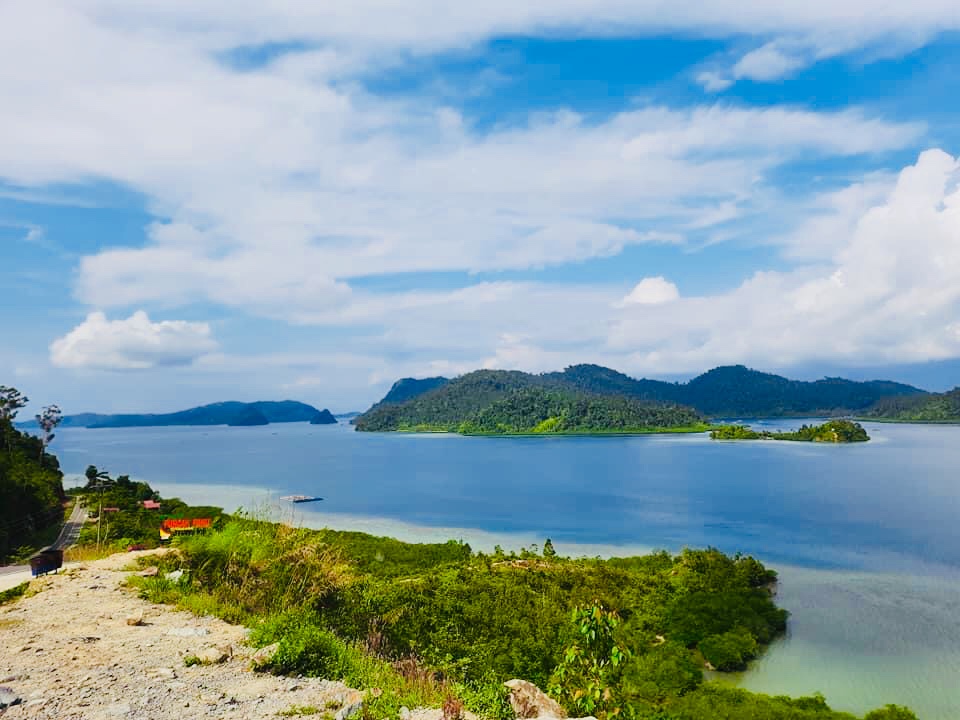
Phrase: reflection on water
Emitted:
{"points": [[865, 536]]}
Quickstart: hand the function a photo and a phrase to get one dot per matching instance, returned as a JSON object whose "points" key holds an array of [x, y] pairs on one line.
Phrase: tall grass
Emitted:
{"points": [[263, 568]]}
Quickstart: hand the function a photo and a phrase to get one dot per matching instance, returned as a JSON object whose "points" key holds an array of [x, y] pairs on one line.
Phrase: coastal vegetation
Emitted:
{"points": [[500, 402], [122, 518], [731, 392], [934, 408], [31, 484], [434, 624], [832, 431]]}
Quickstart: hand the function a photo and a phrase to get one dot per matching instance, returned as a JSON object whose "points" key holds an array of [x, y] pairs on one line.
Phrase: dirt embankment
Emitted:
{"points": [[69, 653]]}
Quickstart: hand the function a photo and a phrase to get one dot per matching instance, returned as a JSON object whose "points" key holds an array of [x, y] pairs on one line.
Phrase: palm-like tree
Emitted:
{"points": [[98, 480]]}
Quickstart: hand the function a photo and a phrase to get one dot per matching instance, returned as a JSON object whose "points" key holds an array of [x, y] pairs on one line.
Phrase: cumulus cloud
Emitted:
{"points": [[283, 182], [132, 344], [889, 293], [652, 291]]}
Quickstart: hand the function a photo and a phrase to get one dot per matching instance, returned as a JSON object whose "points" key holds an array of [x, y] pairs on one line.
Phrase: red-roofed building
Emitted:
{"points": [[151, 505]]}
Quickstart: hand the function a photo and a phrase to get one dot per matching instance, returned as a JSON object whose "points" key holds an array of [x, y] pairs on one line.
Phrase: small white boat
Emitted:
{"points": [[300, 498]]}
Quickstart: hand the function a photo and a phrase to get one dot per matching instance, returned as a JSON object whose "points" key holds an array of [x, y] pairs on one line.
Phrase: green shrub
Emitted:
{"points": [[731, 650]]}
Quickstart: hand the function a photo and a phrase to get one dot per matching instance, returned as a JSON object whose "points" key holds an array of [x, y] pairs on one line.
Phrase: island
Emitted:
{"points": [[323, 417], [591, 399], [488, 403], [833, 431], [230, 413], [724, 392]]}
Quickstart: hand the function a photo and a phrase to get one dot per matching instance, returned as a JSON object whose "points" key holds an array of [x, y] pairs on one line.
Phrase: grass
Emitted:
{"points": [[14, 593], [299, 710]]}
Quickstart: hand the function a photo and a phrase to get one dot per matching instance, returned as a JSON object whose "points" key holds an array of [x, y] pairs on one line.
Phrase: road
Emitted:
{"points": [[12, 575], [71, 528]]}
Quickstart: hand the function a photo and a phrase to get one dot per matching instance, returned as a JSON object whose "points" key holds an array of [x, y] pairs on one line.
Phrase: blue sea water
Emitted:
{"points": [[865, 536]]}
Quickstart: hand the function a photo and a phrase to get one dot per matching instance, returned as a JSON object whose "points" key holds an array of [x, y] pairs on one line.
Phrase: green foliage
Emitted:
{"points": [[730, 650], [31, 484], [891, 712], [14, 593], [660, 675], [936, 408], [305, 647], [715, 702], [133, 524], [585, 679], [494, 402], [832, 431], [427, 623], [734, 391], [538, 410]]}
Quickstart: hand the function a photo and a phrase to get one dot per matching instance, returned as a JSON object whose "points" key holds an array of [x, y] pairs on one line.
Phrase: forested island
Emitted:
{"points": [[833, 431], [727, 392], [494, 403], [933, 408], [594, 399], [232, 413]]}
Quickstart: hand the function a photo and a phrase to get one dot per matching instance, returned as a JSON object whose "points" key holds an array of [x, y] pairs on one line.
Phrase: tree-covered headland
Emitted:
{"points": [[440, 624]]}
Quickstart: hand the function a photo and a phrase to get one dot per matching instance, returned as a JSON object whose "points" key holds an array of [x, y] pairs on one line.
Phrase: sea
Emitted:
{"points": [[865, 537]]}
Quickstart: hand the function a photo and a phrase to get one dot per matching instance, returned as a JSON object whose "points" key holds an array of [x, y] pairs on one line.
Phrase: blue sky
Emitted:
{"points": [[309, 201]]}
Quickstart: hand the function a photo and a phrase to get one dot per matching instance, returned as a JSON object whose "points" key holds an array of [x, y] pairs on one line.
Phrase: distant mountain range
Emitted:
{"points": [[932, 408], [224, 413], [724, 392]]}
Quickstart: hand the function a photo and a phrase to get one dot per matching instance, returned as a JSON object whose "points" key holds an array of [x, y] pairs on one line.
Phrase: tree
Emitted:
{"points": [[48, 419], [98, 480], [11, 402], [586, 678], [548, 550]]}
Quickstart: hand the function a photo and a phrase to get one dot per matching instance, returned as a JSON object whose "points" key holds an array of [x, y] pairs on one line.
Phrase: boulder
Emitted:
{"points": [[262, 657], [529, 701], [149, 572], [212, 655], [136, 618]]}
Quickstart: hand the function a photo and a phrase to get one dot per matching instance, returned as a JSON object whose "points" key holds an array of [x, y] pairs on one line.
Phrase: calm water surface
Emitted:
{"points": [[865, 536]]}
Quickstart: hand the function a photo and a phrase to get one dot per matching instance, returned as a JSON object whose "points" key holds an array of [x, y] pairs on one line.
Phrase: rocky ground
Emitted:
{"points": [[84, 648]]}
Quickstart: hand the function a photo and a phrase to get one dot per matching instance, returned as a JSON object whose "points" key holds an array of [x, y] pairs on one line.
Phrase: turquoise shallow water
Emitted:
{"points": [[865, 537]]}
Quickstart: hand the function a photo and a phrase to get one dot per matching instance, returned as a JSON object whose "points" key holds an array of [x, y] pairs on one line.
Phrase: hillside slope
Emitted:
{"points": [[31, 488], [935, 408]]}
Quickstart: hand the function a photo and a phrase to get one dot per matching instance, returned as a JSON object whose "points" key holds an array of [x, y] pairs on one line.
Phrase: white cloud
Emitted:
{"points": [[652, 291], [280, 184], [769, 62], [888, 293], [132, 344]]}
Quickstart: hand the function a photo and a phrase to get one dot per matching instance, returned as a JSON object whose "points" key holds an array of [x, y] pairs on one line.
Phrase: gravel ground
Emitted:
{"points": [[68, 653]]}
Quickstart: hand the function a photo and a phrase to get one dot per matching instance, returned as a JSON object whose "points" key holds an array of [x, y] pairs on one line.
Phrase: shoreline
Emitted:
{"points": [[637, 432]]}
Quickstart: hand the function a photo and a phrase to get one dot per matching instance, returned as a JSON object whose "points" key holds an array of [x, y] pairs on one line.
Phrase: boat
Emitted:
{"points": [[300, 498]]}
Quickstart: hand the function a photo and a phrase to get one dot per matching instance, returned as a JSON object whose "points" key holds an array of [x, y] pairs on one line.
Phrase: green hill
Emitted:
{"points": [[31, 488], [733, 392], [501, 401], [935, 408]]}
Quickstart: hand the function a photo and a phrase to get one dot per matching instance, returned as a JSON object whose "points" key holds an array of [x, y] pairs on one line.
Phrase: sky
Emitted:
{"points": [[308, 200]]}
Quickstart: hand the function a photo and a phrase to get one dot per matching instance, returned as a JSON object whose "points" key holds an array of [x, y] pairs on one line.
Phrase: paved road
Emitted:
{"points": [[68, 536], [71, 528]]}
